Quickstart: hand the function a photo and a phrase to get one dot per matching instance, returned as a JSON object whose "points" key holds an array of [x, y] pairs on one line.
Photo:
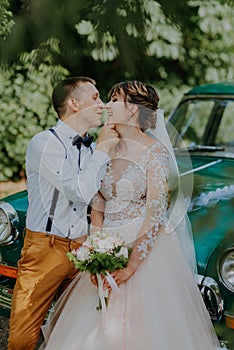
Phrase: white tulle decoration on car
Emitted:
{"points": [[213, 197]]}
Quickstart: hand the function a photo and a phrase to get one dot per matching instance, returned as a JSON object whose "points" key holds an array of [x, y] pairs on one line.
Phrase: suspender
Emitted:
{"points": [[56, 195], [56, 135], [88, 217], [52, 210]]}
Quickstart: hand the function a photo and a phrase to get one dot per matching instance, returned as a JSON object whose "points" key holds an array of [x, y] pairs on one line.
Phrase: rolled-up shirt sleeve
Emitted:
{"points": [[85, 185]]}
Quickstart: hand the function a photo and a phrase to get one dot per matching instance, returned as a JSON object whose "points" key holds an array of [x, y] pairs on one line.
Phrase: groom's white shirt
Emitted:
{"points": [[51, 163]]}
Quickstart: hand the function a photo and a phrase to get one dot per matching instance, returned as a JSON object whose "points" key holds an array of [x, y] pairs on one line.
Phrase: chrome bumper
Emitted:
{"points": [[5, 301], [212, 297]]}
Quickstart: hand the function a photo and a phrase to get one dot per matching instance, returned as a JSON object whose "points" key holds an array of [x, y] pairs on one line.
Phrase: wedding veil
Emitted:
{"points": [[179, 187]]}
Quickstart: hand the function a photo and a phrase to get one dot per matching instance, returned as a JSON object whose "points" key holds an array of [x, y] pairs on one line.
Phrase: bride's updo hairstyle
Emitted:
{"points": [[144, 96]]}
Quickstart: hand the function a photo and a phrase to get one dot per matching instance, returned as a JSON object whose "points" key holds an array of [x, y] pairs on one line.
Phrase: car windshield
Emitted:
{"points": [[203, 122]]}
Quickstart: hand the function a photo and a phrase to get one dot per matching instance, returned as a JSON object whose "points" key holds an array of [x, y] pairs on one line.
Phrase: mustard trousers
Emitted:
{"points": [[43, 270]]}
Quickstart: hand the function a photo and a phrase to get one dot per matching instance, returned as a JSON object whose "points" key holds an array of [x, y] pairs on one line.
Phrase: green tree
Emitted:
{"points": [[6, 19], [176, 43], [25, 108], [173, 45]]}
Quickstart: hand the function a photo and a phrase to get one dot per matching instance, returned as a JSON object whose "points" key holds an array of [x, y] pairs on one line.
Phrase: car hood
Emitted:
{"points": [[18, 200], [211, 207]]}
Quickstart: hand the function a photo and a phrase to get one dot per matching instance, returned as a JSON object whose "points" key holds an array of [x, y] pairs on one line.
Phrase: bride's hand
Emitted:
{"points": [[94, 280], [122, 275]]}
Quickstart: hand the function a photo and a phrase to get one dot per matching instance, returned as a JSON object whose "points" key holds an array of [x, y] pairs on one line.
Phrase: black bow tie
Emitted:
{"points": [[86, 141]]}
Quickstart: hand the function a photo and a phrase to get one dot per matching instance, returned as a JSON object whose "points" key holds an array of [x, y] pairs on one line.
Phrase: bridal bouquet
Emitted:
{"points": [[101, 253]]}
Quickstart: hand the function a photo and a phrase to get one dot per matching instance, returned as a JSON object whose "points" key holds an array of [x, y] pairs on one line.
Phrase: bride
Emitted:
{"points": [[154, 302]]}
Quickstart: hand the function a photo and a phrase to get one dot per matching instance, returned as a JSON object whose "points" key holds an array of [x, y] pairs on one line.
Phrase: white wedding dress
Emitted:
{"points": [[160, 306]]}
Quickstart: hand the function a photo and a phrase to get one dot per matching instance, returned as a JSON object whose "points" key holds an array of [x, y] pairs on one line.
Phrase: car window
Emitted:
{"points": [[190, 120], [225, 134]]}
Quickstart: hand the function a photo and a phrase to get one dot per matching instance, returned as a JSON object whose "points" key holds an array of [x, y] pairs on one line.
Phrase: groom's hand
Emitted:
{"points": [[77, 243]]}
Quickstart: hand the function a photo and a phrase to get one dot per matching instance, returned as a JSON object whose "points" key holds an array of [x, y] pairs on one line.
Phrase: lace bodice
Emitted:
{"points": [[138, 194]]}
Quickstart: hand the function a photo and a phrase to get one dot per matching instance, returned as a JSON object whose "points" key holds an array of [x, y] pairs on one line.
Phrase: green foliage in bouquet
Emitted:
{"points": [[100, 262], [101, 252]]}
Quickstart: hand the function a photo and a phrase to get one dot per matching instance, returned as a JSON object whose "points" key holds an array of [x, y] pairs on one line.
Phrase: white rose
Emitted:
{"points": [[123, 252], [82, 253], [106, 244]]}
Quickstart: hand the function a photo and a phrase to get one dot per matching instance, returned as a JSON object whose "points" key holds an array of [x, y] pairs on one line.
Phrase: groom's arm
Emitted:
{"points": [[97, 214]]}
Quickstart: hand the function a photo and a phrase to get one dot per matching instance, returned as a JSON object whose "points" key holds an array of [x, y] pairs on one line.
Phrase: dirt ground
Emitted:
{"points": [[4, 332], [10, 187]]}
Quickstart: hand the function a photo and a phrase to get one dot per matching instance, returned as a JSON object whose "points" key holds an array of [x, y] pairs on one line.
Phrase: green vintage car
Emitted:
{"points": [[204, 120]]}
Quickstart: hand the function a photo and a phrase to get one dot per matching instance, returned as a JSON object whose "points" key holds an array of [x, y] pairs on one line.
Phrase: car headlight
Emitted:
{"points": [[226, 270], [9, 221]]}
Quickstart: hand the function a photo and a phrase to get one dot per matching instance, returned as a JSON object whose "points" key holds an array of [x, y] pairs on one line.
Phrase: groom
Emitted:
{"points": [[64, 171]]}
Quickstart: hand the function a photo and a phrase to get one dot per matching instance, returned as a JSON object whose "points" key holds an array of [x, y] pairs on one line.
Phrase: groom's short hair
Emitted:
{"points": [[64, 90]]}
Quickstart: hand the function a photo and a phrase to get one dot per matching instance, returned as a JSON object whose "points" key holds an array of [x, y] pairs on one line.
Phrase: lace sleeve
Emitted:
{"points": [[156, 199]]}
